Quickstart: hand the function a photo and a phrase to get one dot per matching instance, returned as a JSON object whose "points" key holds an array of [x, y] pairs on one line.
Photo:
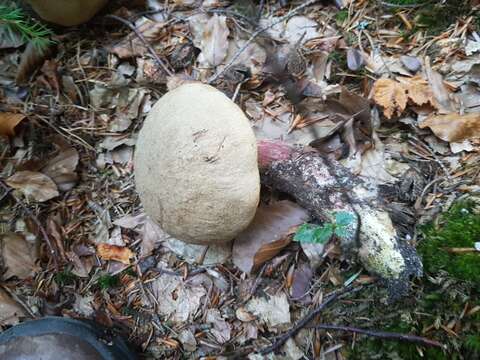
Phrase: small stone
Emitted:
{"points": [[411, 63], [354, 59]]}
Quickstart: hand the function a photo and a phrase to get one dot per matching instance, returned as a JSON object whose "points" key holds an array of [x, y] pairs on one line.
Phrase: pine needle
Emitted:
{"points": [[14, 20]]}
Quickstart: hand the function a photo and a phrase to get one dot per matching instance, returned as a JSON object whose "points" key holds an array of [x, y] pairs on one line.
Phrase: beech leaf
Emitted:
{"points": [[33, 185], [390, 95]]}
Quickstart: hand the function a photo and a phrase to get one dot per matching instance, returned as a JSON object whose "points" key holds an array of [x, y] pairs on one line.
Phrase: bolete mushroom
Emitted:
{"points": [[67, 12], [196, 165]]}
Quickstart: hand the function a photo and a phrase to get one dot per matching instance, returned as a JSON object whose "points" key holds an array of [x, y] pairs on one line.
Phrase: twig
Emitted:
{"points": [[382, 334], [151, 50], [36, 221], [260, 9], [400, 6], [254, 36], [306, 320]]}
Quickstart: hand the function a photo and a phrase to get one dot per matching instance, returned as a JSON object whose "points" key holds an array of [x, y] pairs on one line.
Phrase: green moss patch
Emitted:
{"points": [[458, 228], [451, 285]]}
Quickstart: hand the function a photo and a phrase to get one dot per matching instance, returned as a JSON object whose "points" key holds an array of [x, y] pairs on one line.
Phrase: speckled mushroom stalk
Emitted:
{"points": [[323, 187]]}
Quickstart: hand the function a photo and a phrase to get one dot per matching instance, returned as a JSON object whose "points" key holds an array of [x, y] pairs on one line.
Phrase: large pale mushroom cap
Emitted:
{"points": [[196, 165], [67, 12]]}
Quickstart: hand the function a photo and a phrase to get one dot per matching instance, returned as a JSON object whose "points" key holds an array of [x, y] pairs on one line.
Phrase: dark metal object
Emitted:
{"points": [[56, 338]]}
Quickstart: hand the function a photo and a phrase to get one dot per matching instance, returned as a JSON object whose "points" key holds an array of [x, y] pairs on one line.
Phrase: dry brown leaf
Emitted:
{"points": [[301, 283], [178, 300], [33, 184], [114, 252], [266, 235], [131, 45], [61, 169], [268, 251], [454, 127], [391, 95], [221, 329], [18, 256], [10, 310], [8, 121], [418, 90], [32, 59], [440, 91], [214, 40], [273, 311], [79, 268]]}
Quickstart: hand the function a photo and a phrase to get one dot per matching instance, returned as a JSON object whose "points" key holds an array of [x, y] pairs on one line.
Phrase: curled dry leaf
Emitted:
{"points": [[18, 256], [8, 121], [267, 234], [454, 127], [33, 185], [61, 169], [114, 252]]}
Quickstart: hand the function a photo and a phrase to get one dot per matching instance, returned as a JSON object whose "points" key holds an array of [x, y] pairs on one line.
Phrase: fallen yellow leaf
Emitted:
{"points": [[391, 95], [418, 90], [454, 127], [114, 252], [8, 121]]}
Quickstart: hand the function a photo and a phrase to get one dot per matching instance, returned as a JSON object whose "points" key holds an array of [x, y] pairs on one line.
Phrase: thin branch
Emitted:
{"points": [[149, 47], [37, 222], [382, 334], [401, 6], [257, 33], [282, 339]]}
